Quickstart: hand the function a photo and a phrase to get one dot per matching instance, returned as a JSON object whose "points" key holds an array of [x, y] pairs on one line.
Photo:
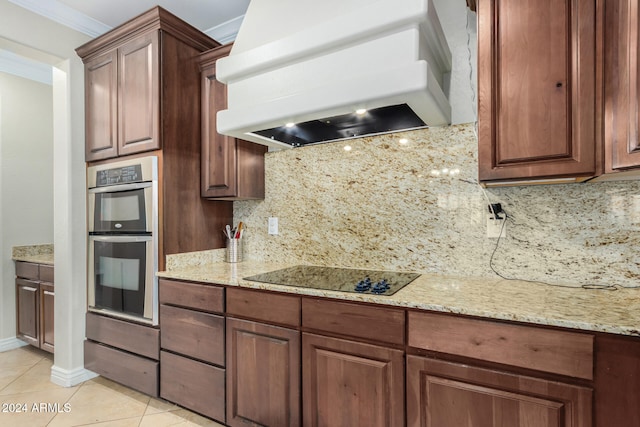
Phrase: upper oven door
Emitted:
{"points": [[125, 208]]}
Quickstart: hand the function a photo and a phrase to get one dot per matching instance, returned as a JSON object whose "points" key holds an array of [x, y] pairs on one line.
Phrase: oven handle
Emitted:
{"points": [[121, 239], [121, 187]]}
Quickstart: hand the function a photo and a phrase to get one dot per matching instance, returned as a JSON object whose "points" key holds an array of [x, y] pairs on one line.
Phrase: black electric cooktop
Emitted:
{"points": [[338, 279]]}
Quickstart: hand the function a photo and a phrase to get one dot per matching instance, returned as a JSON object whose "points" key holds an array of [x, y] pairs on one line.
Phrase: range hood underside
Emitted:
{"points": [[385, 55]]}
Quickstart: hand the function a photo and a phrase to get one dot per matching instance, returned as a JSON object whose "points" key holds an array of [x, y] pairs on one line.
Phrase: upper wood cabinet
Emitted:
{"points": [[129, 73], [621, 87], [232, 169], [536, 90]]}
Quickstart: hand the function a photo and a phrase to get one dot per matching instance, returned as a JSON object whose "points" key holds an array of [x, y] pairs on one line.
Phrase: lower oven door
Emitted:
{"points": [[122, 280]]}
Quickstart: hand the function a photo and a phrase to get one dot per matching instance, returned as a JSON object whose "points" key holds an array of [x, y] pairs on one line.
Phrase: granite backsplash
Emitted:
{"points": [[410, 201]]}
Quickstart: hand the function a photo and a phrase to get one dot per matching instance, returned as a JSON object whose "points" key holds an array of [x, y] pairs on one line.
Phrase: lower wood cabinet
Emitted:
{"points": [[47, 297], [192, 384], [263, 374], [122, 351], [138, 373], [28, 308], [442, 393], [35, 304], [347, 383], [192, 359]]}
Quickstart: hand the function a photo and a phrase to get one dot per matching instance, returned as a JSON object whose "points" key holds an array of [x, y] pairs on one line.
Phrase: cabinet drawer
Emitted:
{"points": [[192, 384], [192, 295], [361, 321], [266, 306], [46, 273], [192, 333], [27, 270], [142, 340], [558, 352], [133, 371]]}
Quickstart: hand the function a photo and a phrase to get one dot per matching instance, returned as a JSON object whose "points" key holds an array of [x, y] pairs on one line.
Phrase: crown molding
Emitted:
{"points": [[227, 31], [20, 66], [65, 15]]}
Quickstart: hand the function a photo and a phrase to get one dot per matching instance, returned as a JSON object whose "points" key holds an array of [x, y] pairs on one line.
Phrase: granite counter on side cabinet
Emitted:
{"points": [[37, 254], [611, 311]]}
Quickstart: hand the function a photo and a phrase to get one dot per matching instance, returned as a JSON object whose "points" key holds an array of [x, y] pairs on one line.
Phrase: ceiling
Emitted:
{"points": [[220, 19]]}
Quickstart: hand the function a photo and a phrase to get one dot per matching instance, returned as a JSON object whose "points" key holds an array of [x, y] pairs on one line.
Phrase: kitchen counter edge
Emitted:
{"points": [[615, 312]]}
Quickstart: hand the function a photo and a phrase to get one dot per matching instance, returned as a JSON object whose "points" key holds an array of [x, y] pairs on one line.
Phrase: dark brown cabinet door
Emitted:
{"points": [[536, 89], [27, 306], [101, 106], [621, 85], [449, 394], [47, 297], [138, 95], [263, 375], [348, 384], [231, 168], [218, 151]]}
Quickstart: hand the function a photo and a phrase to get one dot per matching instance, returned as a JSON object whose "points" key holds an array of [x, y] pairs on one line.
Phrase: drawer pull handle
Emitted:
{"points": [[49, 293], [29, 288]]}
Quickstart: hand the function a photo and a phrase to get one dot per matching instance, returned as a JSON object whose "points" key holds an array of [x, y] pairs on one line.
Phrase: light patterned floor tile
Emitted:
{"points": [[96, 402], [38, 378], [10, 374], [181, 418], [157, 406], [32, 412], [23, 356]]}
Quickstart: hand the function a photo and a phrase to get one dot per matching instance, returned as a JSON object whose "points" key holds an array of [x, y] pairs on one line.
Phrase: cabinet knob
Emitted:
{"points": [[559, 84]]}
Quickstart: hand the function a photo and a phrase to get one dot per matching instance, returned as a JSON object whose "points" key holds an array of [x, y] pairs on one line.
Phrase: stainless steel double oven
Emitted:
{"points": [[123, 239]]}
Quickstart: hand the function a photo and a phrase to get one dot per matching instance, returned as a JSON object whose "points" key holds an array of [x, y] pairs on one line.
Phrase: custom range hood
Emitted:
{"points": [[307, 71]]}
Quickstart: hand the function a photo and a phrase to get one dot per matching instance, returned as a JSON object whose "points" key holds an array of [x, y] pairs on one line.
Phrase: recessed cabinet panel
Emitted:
{"points": [[27, 300], [622, 85], [218, 151], [101, 104], [231, 169], [138, 90], [263, 374], [536, 69], [450, 394], [47, 298], [346, 383]]}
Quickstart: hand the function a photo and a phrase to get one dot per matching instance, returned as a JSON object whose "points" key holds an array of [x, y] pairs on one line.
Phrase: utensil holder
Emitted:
{"points": [[233, 252]]}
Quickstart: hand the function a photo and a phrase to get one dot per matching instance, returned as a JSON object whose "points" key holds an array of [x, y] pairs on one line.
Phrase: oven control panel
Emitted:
{"points": [[120, 175]]}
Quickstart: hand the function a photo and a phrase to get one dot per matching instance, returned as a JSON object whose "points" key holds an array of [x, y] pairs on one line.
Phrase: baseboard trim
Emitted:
{"points": [[11, 344], [70, 378]]}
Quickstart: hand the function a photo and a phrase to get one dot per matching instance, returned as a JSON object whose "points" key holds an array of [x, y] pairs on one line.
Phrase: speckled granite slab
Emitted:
{"points": [[615, 312], [40, 254]]}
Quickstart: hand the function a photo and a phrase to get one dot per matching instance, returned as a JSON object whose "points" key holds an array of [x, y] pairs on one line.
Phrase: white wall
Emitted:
{"points": [[43, 35], [26, 176]]}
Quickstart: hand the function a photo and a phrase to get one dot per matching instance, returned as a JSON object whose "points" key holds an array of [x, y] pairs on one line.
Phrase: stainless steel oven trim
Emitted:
{"points": [[151, 299], [120, 187]]}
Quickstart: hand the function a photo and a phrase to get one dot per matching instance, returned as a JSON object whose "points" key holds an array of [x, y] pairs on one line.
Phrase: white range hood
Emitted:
{"points": [[311, 64]]}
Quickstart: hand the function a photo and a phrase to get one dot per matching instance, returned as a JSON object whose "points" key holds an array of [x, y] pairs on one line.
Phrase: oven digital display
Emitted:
{"points": [[120, 208], [122, 175], [119, 273]]}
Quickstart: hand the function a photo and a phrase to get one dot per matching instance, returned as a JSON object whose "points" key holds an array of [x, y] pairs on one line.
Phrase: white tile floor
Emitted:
{"points": [[28, 398]]}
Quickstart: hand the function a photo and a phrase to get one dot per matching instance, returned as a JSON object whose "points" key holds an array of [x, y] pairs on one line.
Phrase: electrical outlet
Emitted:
{"points": [[496, 226], [273, 225]]}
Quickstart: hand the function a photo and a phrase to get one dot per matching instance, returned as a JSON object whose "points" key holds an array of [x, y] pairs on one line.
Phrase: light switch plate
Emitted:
{"points": [[273, 225]]}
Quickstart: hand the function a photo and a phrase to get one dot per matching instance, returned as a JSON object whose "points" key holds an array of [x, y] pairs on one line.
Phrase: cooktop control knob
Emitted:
{"points": [[380, 287], [363, 285]]}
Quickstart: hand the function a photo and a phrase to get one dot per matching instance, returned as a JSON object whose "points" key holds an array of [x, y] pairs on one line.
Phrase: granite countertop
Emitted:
{"points": [[608, 311], [39, 254]]}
